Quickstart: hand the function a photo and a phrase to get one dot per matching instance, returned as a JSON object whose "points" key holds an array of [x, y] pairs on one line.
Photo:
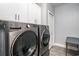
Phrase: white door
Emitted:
{"points": [[51, 28]]}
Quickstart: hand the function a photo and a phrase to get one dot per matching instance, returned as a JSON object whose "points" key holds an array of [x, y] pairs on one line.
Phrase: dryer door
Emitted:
{"points": [[25, 44], [45, 38]]}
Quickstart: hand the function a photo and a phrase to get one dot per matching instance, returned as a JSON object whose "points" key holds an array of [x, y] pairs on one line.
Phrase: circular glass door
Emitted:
{"points": [[45, 38], [25, 44]]}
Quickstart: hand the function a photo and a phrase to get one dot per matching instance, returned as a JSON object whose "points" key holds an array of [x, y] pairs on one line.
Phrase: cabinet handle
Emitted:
{"points": [[18, 16], [15, 16], [35, 21]]}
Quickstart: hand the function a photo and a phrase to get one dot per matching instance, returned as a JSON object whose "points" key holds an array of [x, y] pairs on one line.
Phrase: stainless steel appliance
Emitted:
{"points": [[23, 39], [44, 37], [18, 39]]}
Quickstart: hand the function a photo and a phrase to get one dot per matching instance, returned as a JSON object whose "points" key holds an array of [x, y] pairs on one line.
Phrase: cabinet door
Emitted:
{"points": [[34, 13], [30, 13], [22, 12], [8, 11], [38, 14]]}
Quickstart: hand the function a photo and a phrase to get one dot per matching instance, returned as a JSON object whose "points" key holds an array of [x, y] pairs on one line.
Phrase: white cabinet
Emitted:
{"points": [[21, 12], [14, 12], [35, 13], [30, 13], [8, 11]]}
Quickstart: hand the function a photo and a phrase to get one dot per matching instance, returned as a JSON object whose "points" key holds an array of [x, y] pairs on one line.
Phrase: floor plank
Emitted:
{"points": [[59, 51]]}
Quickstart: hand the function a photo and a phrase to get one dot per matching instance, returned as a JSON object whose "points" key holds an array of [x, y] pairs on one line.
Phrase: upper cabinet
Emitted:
{"points": [[8, 11], [35, 13], [21, 12]]}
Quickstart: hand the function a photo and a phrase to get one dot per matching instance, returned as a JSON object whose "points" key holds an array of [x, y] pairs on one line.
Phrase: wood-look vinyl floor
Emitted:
{"points": [[59, 51]]}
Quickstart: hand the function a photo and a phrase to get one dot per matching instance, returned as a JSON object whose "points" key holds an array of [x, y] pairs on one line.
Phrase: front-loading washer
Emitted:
{"points": [[23, 39], [44, 37]]}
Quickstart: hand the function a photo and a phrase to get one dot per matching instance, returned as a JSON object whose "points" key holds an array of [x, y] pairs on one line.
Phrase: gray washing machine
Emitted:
{"points": [[18, 39], [44, 37], [23, 39]]}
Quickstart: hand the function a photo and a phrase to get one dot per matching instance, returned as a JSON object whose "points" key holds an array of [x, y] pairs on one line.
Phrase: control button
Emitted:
{"points": [[28, 26]]}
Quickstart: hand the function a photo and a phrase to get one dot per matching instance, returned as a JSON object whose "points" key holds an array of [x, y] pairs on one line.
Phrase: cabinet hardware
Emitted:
{"points": [[15, 16], [18, 16]]}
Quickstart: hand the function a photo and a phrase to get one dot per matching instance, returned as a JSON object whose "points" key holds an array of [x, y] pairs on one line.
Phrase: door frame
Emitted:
{"points": [[50, 12]]}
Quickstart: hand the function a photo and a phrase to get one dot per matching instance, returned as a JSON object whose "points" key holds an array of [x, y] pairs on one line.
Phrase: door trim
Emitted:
{"points": [[51, 13]]}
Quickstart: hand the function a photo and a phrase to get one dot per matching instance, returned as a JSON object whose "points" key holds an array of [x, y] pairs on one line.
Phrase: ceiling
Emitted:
{"points": [[54, 4], [57, 4]]}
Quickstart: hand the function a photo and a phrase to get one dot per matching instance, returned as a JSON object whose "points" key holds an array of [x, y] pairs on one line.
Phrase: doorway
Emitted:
{"points": [[51, 28]]}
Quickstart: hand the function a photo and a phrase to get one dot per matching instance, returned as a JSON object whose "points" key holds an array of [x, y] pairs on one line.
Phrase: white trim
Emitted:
{"points": [[53, 25], [60, 45], [51, 12]]}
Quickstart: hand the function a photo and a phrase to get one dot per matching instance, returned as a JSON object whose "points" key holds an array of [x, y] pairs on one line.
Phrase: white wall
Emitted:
{"points": [[66, 22], [44, 12]]}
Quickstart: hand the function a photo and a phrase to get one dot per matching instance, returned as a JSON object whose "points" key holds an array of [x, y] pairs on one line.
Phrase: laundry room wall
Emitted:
{"points": [[44, 12], [66, 22]]}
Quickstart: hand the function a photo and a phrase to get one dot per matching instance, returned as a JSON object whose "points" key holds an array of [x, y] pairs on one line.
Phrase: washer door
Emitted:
{"points": [[25, 44], [45, 38]]}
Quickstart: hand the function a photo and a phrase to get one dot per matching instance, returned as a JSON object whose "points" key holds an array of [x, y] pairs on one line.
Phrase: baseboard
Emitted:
{"points": [[60, 45]]}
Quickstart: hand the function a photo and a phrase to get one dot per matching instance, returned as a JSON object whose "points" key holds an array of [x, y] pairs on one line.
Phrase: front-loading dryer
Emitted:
{"points": [[44, 37], [23, 39]]}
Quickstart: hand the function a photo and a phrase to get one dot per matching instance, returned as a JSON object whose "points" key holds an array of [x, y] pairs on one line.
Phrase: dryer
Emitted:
{"points": [[44, 37]]}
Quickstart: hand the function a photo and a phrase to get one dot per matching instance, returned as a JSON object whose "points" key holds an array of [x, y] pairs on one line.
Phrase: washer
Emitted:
{"points": [[44, 37], [23, 39]]}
